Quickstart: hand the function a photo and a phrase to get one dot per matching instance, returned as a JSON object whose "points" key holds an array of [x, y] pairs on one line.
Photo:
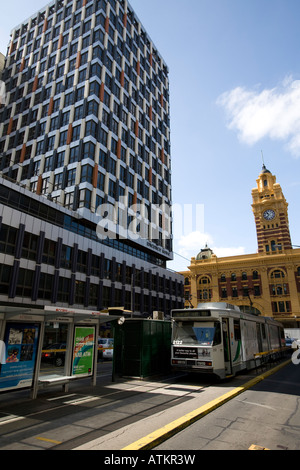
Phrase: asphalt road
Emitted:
{"points": [[266, 416]]}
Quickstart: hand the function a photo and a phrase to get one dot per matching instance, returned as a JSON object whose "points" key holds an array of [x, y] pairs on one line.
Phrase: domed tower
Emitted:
{"points": [[271, 214], [205, 253]]}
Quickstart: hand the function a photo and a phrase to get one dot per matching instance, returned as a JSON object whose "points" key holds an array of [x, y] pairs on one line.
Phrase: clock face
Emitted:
{"points": [[269, 214]]}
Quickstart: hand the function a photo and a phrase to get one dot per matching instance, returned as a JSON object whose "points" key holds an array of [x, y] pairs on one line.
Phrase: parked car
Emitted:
{"points": [[293, 343], [108, 353], [54, 353], [105, 348]]}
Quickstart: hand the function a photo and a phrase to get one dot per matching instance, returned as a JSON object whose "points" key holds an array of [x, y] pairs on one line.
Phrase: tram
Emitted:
{"points": [[220, 339]]}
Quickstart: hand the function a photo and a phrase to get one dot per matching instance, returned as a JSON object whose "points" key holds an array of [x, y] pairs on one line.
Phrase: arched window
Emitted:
{"points": [[233, 276], [277, 274], [204, 292], [255, 274], [204, 280], [244, 276]]}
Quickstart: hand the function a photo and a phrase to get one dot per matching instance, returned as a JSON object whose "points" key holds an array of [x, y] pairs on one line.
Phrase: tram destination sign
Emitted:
{"points": [[191, 313]]}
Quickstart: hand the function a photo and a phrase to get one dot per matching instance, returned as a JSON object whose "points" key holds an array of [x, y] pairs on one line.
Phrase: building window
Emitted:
{"points": [[30, 244], [81, 261], [79, 292], [245, 292], [63, 290], [112, 189], [5, 277], [24, 284], [71, 177], [93, 294], [74, 154], [66, 257], [8, 238], [48, 163], [86, 173], [96, 265], [281, 307], [45, 185], [279, 289], [58, 180], [224, 293], [108, 269], [234, 292], [45, 286], [85, 198], [88, 150], [256, 291], [69, 200], [277, 274], [48, 256]]}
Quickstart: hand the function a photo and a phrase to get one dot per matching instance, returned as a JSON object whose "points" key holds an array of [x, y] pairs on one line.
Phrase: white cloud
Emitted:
{"points": [[233, 251], [190, 245], [273, 113]]}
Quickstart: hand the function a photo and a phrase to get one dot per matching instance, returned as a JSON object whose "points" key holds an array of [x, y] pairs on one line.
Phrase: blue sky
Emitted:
{"points": [[235, 91]]}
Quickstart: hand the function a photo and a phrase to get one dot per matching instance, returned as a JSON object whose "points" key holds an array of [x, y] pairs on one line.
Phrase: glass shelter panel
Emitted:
{"points": [[54, 349]]}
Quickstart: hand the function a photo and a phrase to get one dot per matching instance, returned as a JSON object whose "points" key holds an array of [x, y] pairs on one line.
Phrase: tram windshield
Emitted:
{"points": [[187, 333]]}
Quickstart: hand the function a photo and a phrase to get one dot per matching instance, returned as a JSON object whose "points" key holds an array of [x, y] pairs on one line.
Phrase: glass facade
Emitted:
{"points": [[85, 126], [87, 115]]}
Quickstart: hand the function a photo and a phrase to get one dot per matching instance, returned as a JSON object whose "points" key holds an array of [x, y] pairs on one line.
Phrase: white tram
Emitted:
{"points": [[218, 338]]}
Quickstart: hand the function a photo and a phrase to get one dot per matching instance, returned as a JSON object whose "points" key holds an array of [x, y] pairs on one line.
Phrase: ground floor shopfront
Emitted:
{"points": [[42, 347]]}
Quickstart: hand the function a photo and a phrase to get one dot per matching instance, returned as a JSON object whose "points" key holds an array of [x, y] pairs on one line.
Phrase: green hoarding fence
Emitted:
{"points": [[142, 348]]}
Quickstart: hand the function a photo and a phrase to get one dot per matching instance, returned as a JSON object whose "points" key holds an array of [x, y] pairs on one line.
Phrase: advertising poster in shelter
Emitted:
{"points": [[83, 350], [21, 342]]}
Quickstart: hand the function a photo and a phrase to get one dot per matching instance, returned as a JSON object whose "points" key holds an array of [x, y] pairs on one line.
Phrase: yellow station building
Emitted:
{"points": [[268, 281]]}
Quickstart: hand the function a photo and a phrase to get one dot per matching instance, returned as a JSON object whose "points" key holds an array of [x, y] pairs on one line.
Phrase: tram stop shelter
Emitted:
{"points": [[50, 345]]}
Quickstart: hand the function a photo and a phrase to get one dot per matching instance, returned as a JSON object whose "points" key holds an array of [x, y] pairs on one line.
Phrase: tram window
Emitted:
{"points": [[237, 330], [217, 336], [187, 333]]}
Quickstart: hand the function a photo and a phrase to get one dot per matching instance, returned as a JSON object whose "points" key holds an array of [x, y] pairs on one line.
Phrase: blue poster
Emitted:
{"points": [[21, 342]]}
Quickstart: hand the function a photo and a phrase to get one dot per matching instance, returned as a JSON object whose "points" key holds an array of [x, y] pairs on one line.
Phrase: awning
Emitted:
{"points": [[53, 313]]}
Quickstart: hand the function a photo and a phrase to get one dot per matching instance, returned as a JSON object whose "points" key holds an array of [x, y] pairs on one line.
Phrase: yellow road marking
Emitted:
{"points": [[157, 437], [48, 440], [255, 447]]}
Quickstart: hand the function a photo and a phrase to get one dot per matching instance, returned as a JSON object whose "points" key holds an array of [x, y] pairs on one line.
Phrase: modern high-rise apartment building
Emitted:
{"points": [[86, 130]]}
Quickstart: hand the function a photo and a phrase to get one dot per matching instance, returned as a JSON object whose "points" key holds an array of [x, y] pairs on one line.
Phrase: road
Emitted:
{"points": [[113, 415], [266, 416]]}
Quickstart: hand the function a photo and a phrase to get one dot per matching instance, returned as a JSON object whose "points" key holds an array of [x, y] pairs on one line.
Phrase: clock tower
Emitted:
{"points": [[271, 214]]}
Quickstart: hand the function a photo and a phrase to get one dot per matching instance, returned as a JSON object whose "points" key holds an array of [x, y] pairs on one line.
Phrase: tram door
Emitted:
{"points": [[259, 337], [226, 345]]}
